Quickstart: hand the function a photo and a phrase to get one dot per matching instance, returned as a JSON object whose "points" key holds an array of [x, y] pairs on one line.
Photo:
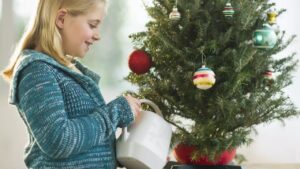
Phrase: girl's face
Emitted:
{"points": [[79, 32]]}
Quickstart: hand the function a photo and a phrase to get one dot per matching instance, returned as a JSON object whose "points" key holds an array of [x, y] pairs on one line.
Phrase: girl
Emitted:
{"points": [[58, 98]]}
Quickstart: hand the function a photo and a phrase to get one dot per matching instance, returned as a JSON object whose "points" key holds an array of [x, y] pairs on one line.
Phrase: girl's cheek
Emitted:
{"points": [[87, 33], [90, 32]]}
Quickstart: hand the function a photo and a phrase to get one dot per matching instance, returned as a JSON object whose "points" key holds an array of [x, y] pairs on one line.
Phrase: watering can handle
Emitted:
{"points": [[124, 133], [153, 105]]}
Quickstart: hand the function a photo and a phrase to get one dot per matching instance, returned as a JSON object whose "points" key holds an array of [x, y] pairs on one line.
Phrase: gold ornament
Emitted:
{"points": [[272, 17]]}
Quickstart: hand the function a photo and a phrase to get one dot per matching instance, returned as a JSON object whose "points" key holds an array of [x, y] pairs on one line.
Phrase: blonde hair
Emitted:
{"points": [[42, 30]]}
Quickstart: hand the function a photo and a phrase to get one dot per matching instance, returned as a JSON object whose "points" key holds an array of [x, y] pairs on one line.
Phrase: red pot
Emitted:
{"points": [[184, 152]]}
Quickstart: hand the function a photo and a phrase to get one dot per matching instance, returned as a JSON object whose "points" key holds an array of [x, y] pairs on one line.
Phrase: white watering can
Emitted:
{"points": [[146, 142]]}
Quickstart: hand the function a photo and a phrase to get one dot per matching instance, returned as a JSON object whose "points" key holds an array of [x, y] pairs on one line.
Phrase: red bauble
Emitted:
{"points": [[139, 62], [184, 152]]}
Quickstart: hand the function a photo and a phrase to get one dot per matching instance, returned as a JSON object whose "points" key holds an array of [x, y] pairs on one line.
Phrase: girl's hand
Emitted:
{"points": [[135, 105]]}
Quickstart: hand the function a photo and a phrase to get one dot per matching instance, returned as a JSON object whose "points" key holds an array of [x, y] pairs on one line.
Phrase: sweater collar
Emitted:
{"points": [[28, 56]]}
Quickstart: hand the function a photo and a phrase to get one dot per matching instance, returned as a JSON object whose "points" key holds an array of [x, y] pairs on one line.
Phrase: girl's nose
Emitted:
{"points": [[96, 37]]}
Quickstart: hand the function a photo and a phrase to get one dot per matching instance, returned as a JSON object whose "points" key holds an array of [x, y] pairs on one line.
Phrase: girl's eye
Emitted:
{"points": [[93, 26]]}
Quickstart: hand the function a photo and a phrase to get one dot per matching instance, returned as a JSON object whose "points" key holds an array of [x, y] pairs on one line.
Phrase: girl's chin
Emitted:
{"points": [[80, 56]]}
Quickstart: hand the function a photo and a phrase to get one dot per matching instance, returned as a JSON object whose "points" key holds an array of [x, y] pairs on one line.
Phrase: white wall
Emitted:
{"points": [[12, 130], [276, 143]]}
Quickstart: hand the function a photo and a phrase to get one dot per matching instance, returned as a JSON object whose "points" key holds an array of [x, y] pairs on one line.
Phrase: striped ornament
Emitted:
{"points": [[228, 10], [269, 75], [204, 78], [175, 15]]}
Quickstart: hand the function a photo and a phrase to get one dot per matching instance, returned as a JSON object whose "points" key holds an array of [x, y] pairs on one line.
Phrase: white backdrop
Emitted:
{"points": [[276, 143]]}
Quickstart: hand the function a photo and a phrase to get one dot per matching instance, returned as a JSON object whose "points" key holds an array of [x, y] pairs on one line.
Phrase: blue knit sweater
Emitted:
{"points": [[68, 122]]}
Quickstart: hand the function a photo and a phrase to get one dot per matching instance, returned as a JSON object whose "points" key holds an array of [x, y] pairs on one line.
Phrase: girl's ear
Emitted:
{"points": [[60, 18]]}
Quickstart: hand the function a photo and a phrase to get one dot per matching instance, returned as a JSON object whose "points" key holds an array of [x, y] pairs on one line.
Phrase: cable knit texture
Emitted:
{"points": [[69, 124]]}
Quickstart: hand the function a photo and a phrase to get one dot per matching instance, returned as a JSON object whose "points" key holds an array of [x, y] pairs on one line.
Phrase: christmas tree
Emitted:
{"points": [[216, 115]]}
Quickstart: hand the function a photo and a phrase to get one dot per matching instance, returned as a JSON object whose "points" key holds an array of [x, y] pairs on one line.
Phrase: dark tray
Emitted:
{"points": [[175, 165]]}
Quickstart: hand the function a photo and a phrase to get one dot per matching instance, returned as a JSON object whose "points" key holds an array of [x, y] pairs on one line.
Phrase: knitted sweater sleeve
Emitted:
{"points": [[42, 107]]}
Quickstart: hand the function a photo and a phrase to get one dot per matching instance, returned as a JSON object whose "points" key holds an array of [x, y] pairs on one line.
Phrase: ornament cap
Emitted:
{"points": [[272, 12], [175, 9], [267, 26], [228, 4], [270, 69]]}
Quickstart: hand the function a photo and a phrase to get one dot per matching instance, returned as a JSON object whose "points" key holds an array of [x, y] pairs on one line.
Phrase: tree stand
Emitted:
{"points": [[175, 165]]}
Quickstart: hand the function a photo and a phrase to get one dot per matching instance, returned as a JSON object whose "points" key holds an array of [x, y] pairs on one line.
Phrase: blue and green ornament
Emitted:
{"points": [[204, 78], [264, 37]]}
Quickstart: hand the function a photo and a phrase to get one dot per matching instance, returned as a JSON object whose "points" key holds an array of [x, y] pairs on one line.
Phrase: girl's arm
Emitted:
{"points": [[42, 105], [115, 107]]}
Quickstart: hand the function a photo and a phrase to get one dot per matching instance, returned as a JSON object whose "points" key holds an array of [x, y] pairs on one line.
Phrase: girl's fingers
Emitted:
{"points": [[135, 105]]}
